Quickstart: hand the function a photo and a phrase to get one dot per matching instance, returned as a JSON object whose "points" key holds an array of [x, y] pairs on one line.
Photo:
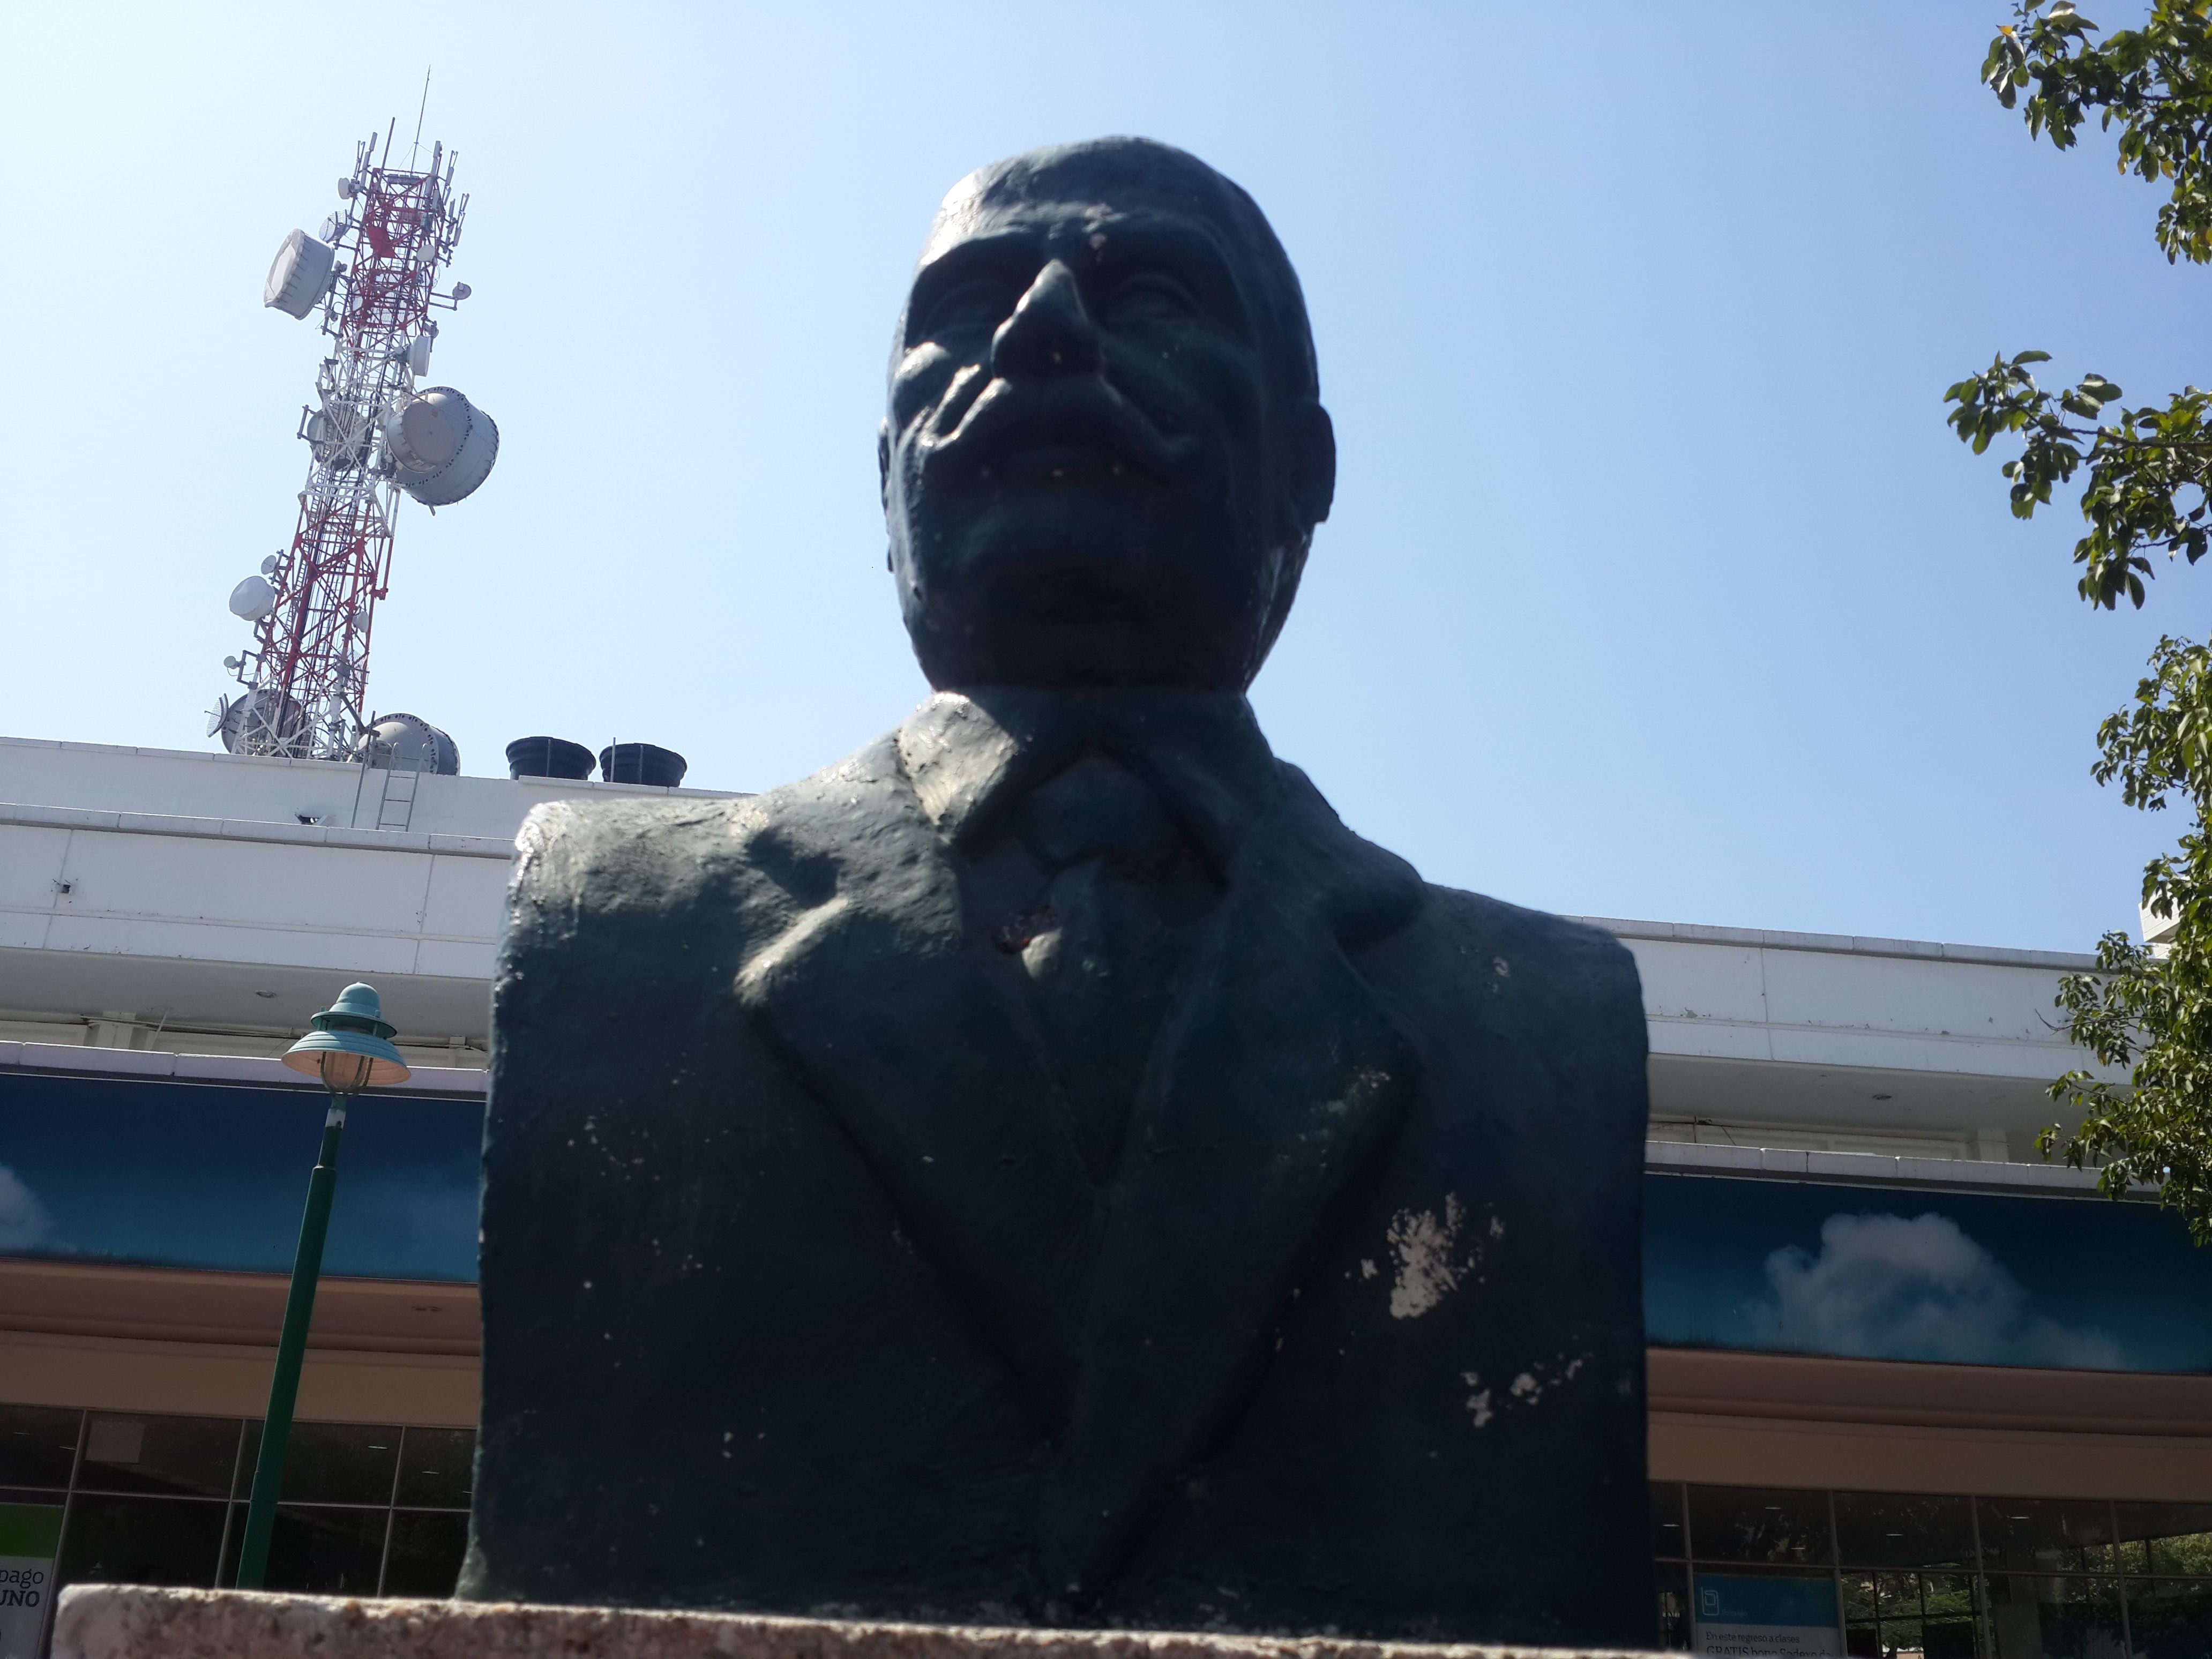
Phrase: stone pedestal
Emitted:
{"points": [[108, 1621]]}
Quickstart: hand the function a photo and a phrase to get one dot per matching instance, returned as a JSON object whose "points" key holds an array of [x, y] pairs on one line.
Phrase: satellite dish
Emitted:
{"points": [[231, 663], [348, 190], [253, 599], [275, 724], [419, 354], [325, 436], [441, 445], [461, 291], [221, 709], [407, 743], [302, 274], [269, 565]]}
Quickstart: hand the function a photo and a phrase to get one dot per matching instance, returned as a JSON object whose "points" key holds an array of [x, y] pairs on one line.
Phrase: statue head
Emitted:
{"points": [[1105, 452]]}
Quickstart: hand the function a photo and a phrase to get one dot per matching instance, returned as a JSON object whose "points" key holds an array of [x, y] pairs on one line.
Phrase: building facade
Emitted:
{"points": [[1912, 1390]]}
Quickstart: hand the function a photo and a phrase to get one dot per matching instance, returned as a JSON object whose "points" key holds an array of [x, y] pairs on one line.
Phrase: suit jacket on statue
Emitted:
{"points": [[800, 1294]]}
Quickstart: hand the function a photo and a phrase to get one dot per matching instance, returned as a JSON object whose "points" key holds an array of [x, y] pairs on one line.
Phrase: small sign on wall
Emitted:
{"points": [[1754, 1618], [29, 1534]]}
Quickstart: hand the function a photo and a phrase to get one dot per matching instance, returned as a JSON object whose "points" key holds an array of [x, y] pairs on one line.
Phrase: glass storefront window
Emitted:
{"points": [[1668, 1542], [38, 1446], [146, 1498], [1861, 1614], [2055, 1616], [2166, 1538], [437, 1469], [317, 1549], [2021, 1534], [1883, 1529], [376, 1509], [2170, 1618], [1930, 1614], [326, 1550], [140, 1540], [427, 1547], [177, 1457], [1907, 1586], [328, 1463], [1751, 1524]]}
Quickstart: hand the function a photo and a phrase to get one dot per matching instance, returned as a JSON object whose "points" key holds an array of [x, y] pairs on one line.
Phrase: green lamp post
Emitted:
{"points": [[351, 1050]]}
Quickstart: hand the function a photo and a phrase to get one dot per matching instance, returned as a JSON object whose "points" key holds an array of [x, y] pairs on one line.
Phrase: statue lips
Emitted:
{"points": [[1030, 428]]}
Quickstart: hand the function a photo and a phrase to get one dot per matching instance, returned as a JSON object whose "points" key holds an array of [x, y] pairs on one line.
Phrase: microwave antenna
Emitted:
{"points": [[374, 434]]}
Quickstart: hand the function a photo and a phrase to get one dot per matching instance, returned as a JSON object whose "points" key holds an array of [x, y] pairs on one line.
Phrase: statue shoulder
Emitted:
{"points": [[637, 914], [625, 862], [1548, 960], [575, 843], [1379, 903], [1528, 1019]]}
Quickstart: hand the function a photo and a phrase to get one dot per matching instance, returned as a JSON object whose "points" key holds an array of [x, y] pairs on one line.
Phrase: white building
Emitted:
{"points": [[1911, 1388]]}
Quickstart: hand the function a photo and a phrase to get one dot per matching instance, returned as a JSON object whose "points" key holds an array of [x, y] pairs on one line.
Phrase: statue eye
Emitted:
{"points": [[1151, 295], [978, 302]]}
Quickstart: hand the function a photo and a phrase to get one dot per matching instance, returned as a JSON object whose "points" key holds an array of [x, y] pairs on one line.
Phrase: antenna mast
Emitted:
{"points": [[373, 437]]}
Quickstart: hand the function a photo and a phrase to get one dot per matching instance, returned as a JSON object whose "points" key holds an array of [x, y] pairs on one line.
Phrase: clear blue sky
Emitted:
{"points": [[1656, 586]]}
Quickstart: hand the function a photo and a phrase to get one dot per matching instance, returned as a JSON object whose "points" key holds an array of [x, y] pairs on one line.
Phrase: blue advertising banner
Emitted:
{"points": [[214, 1176], [1885, 1272]]}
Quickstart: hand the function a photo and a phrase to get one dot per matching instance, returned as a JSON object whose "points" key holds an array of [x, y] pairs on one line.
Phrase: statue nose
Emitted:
{"points": [[1050, 332]]}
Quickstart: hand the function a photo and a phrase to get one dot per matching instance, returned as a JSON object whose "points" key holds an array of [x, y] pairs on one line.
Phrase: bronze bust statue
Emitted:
{"points": [[1045, 1168]]}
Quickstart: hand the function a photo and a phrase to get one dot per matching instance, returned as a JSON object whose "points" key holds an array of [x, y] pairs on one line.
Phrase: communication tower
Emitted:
{"points": [[373, 434]]}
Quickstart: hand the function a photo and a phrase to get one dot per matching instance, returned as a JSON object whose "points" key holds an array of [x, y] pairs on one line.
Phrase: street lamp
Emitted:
{"points": [[351, 1050]]}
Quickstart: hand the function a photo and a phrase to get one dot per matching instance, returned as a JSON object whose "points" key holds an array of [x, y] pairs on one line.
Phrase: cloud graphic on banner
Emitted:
{"points": [[1884, 1287], [23, 1220]]}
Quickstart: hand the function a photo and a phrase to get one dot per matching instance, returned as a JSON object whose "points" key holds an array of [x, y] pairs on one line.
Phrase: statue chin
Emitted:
{"points": [[1059, 598], [1066, 628]]}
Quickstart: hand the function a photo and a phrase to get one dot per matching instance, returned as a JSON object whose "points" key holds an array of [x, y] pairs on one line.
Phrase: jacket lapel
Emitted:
{"points": [[1138, 1320], [871, 994], [1280, 1078]]}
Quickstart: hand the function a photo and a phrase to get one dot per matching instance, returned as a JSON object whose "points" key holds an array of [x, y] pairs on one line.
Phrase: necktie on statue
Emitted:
{"points": [[1122, 887]]}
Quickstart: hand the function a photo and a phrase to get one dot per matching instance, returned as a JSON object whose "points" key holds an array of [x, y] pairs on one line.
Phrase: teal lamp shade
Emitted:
{"points": [[351, 1048]]}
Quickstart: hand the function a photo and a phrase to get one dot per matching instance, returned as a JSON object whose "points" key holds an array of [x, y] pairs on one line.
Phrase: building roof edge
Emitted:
{"points": [[1767, 939]]}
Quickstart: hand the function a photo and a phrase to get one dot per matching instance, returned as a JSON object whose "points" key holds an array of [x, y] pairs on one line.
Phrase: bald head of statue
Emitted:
{"points": [[1105, 452]]}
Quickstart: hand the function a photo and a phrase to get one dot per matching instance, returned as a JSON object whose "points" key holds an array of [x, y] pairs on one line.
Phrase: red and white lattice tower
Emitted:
{"points": [[374, 435]]}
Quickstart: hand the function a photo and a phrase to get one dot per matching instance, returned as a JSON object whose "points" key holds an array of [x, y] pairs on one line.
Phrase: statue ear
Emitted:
{"points": [[883, 462], [1312, 462]]}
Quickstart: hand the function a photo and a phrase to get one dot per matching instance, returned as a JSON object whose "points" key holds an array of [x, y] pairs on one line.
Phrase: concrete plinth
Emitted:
{"points": [[105, 1621]]}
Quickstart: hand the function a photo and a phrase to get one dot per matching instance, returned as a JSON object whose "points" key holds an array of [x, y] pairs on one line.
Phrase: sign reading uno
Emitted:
{"points": [[29, 1535]]}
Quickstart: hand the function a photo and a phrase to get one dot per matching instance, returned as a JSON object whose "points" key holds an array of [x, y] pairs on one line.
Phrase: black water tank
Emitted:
{"points": [[547, 757], [641, 762]]}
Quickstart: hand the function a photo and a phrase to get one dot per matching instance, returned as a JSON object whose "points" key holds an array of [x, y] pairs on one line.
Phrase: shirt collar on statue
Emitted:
{"points": [[970, 754]]}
